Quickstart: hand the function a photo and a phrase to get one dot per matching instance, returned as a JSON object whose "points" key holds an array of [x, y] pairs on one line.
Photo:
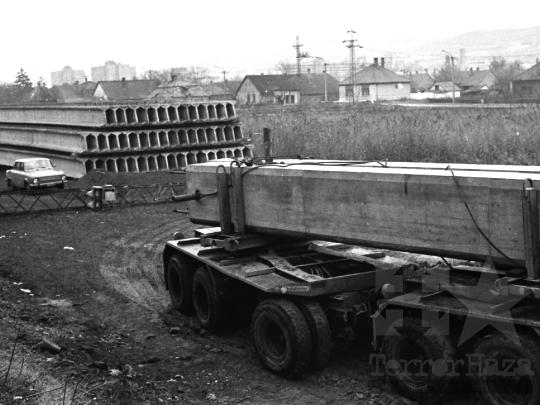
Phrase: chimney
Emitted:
{"points": [[123, 82], [382, 62], [376, 61]]}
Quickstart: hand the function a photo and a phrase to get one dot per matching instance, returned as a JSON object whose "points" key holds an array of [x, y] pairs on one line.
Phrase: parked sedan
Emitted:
{"points": [[34, 173]]}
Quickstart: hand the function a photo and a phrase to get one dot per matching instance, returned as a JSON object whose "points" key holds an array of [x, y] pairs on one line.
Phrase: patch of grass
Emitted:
{"points": [[23, 379]]}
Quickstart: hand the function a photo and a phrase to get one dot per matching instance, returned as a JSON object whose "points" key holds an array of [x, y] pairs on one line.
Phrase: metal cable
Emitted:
{"points": [[476, 224]]}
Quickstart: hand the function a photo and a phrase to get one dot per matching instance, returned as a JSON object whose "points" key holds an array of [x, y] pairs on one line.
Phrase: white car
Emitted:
{"points": [[34, 173]]}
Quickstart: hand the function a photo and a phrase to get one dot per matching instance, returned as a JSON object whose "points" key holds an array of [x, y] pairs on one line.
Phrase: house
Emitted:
{"points": [[124, 90], [375, 82], [226, 90], [302, 88], [176, 88], [420, 85], [476, 83], [526, 85], [74, 93], [444, 90]]}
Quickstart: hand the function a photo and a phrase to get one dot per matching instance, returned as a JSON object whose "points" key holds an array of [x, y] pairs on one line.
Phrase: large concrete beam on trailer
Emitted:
{"points": [[119, 115], [34, 137], [71, 166], [415, 210]]}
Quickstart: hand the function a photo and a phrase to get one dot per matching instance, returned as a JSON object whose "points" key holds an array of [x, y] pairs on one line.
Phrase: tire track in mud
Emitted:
{"points": [[132, 265]]}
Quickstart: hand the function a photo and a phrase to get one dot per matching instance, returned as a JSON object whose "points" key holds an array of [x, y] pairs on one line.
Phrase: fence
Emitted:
{"points": [[24, 202]]}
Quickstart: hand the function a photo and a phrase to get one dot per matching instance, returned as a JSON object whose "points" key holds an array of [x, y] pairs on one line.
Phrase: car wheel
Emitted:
{"points": [[26, 186], [10, 185], [60, 186]]}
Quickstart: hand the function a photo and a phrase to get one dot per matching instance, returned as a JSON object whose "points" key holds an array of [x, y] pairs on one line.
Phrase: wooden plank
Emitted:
{"points": [[409, 209]]}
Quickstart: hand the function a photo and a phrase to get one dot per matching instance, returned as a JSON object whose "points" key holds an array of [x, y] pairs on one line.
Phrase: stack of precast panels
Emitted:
{"points": [[122, 138]]}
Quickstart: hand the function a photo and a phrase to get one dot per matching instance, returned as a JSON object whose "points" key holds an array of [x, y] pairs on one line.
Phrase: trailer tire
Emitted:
{"points": [[522, 386], [416, 343], [321, 335], [180, 281], [282, 337], [212, 315]]}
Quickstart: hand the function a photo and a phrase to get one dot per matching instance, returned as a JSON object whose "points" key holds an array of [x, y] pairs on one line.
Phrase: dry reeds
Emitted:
{"points": [[466, 134]]}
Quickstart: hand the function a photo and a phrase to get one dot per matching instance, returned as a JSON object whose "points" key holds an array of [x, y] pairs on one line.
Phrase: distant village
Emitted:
{"points": [[307, 83]]}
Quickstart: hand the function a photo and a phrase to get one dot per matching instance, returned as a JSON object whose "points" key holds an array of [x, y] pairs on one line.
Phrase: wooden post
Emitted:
{"points": [[267, 145]]}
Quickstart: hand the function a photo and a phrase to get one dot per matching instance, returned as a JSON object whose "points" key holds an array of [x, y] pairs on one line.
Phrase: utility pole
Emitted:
{"points": [[325, 89], [299, 55], [453, 85], [224, 78], [352, 66], [224, 73]]}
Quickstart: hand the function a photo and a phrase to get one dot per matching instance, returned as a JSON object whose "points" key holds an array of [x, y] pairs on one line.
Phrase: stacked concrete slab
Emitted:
{"points": [[122, 138]]}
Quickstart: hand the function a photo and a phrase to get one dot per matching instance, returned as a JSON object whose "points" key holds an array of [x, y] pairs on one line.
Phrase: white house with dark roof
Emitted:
{"points": [[375, 82]]}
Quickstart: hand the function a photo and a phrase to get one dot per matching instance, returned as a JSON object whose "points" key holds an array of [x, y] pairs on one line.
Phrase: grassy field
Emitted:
{"points": [[374, 132]]}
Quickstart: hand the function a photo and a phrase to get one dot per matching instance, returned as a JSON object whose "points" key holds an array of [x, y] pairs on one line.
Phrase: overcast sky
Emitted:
{"points": [[242, 37]]}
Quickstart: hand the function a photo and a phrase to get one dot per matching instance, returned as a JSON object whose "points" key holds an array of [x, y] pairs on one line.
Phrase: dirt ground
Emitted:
{"points": [[92, 283]]}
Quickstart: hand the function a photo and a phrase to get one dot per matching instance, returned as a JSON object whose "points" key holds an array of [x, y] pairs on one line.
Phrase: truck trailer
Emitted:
{"points": [[306, 244]]}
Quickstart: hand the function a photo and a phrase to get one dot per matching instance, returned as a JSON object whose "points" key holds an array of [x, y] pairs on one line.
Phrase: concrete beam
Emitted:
{"points": [[208, 136], [33, 137], [118, 115]]}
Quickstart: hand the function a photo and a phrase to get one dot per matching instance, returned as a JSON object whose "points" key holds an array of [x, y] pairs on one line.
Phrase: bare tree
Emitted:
{"points": [[504, 72], [198, 75], [285, 67], [161, 76]]}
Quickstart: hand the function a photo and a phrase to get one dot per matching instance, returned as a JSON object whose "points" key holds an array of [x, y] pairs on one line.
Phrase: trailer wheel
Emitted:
{"points": [[211, 314], [419, 360], [321, 336], [180, 281], [506, 373], [282, 337]]}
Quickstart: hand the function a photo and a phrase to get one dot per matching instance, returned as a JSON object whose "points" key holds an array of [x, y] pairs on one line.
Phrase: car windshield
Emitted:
{"points": [[42, 164]]}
